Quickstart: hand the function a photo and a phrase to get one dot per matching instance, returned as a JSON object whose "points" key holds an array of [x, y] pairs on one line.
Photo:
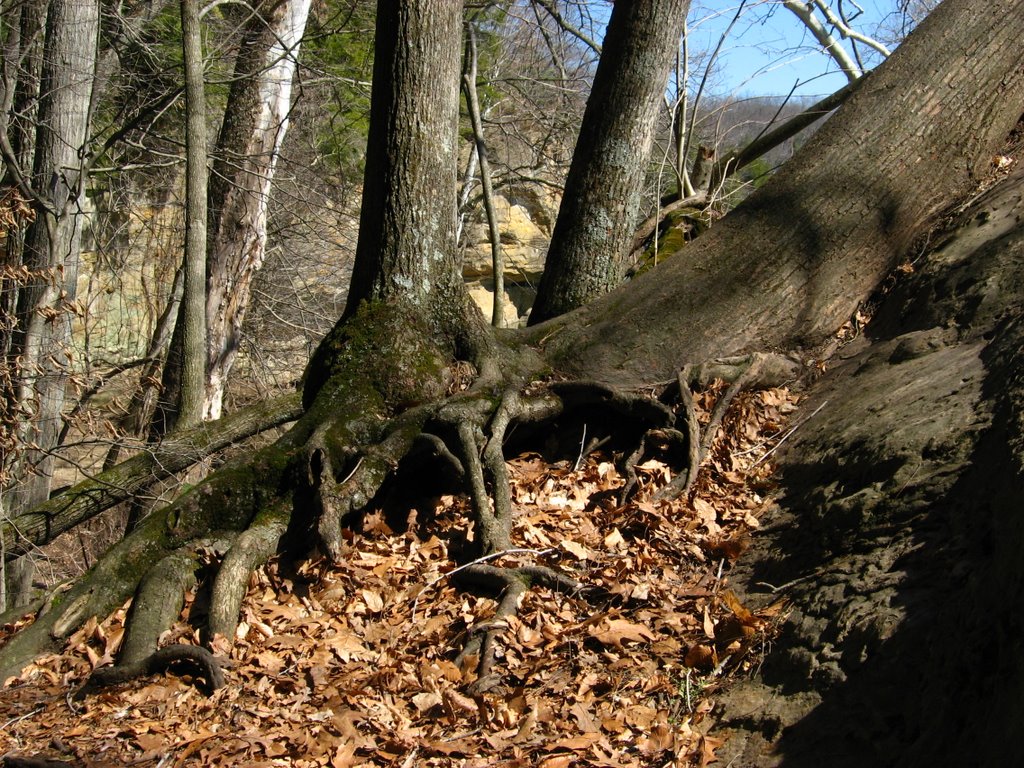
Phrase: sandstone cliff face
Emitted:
{"points": [[525, 217]]}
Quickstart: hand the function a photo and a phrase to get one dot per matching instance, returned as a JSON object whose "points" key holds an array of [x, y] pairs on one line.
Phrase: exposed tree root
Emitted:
{"points": [[512, 584], [759, 370], [666, 437], [193, 659], [251, 549], [330, 467], [158, 602], [340, 490], [227, 502], [13, 761], [123, 481]]}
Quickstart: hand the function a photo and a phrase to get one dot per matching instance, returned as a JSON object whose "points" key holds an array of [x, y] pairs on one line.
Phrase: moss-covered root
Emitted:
{"points": [[251, 549], [226, 501], [159, 599], [344, 482], [100, 591]]}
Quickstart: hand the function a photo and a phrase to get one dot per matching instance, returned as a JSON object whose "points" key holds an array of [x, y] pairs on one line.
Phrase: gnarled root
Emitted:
{"points": [[251, 549], [344, 481], [195, 659], [159, 600], [512, 584]]}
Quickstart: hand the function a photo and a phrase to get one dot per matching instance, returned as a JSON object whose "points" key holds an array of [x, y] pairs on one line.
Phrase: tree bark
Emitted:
{"points": [[245, 160], [45, 305], [594, 231], [897, 533], [790, 265], [188, 408], [407, 251]]}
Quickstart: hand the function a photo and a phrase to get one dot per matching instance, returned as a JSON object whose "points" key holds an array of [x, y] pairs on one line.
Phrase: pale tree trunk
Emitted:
{"points": [[21, 63], [51, 249], [829, 44], [594, 232], [254, 128]]}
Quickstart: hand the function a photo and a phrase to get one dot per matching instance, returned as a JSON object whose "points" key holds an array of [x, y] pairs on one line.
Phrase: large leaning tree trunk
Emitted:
{"points": [[780, 274], [790, 265], [245, 160], [594, 231], [40, 350]]}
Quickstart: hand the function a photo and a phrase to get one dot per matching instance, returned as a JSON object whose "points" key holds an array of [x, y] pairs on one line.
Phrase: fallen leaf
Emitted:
{"points": [[617, 631], [577, 550]]}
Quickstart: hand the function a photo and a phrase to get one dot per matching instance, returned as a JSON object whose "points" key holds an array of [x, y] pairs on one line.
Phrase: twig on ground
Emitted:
{"points": [[786, 436]]}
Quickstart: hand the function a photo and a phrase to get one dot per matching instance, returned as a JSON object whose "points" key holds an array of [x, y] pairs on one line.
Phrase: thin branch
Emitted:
{"points": [[733, 162], [549, 6], [829, 44]]}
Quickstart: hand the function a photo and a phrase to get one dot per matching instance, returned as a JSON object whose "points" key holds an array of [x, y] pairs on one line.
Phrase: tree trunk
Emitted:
{"points": [[925, 421], [188, 408], [405, 250], [594, 231], [254, 127], [790, 265], [51, 248]]}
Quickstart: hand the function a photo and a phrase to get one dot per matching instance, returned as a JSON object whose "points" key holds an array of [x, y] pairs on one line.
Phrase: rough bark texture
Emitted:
{"points": [[254, 127], [406, 244], [898, 535], [39, 354], [594, 231], [52, 241], [789, 265], [187, 410]]}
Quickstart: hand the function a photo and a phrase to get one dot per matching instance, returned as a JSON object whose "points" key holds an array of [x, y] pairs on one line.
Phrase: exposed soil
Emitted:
{"points": [[898, 537]]}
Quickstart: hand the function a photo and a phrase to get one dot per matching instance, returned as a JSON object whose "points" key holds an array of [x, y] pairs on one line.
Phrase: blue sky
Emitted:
{"points": [[769, 50]]}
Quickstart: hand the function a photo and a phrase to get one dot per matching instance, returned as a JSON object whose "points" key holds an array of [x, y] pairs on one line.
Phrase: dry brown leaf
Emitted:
{"points": [[578, 551], [616, 631]]}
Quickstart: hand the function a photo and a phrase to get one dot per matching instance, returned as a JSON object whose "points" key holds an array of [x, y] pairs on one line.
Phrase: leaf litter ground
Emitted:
{"points": [[354, 664]]}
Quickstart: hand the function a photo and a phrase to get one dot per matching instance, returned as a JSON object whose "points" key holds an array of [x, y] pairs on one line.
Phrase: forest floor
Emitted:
{"points": [[353, 664]]}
